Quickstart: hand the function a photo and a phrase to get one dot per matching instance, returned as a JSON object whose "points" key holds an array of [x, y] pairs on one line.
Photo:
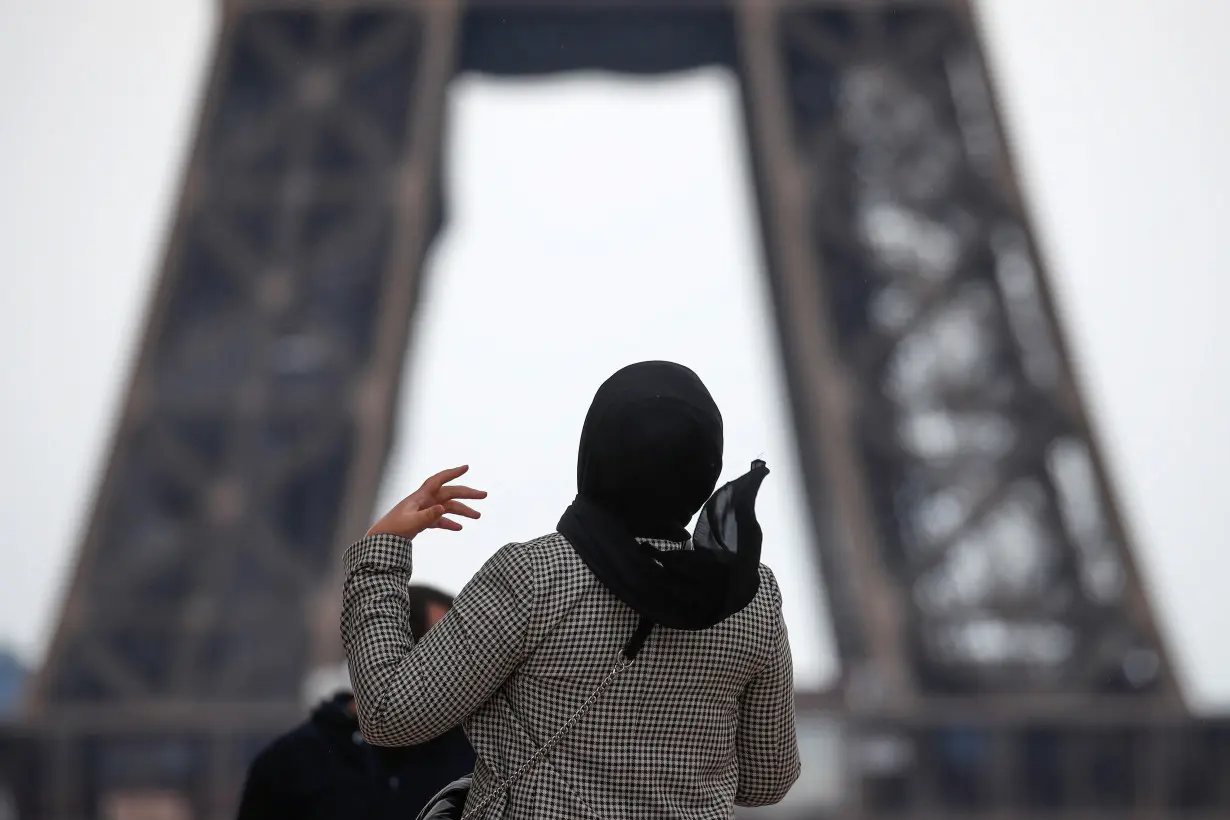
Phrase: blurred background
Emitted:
{"points": [[600, 186]]}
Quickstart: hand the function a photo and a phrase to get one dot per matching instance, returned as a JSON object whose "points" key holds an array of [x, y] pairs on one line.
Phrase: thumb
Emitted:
{"points": [[407, 524], [420, 520]]}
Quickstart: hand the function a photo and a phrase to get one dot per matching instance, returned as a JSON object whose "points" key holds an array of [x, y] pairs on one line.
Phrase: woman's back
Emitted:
{"points": [[702, 720], [663, 740]]}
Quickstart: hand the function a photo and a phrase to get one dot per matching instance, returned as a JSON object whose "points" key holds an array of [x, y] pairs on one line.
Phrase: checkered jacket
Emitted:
{"points": [[703, 721]]}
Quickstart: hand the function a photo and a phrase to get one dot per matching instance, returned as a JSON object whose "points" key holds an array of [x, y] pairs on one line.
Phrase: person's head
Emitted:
{"points": [[651, 448], [428, 606]]}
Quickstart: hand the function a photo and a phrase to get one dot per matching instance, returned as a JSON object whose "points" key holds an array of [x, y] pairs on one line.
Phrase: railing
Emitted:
{"points": [[1080, 760]]}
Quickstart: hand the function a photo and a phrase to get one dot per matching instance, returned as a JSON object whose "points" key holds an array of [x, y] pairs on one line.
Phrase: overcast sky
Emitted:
{"points": [[1119, 125]]}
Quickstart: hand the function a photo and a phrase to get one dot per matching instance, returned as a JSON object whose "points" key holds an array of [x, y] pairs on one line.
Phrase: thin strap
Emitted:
{"points": [[625, 658], [633, 647]]}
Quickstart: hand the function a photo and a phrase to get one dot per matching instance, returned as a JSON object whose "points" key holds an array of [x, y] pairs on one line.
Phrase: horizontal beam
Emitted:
{"points": [[1008, 710], [153, 717], [1005, 710], [1152, 813], [227, 718], [576, 6]]}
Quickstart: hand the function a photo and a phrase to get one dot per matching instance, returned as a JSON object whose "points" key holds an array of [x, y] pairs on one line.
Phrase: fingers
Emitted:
{"points": [[407, 520], [458, 491], [457, 508], [443, 477], [433, 518], [453, 508]]}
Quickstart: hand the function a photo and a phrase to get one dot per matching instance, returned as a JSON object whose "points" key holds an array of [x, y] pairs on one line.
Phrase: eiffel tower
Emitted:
{"points": [[998, 651]]}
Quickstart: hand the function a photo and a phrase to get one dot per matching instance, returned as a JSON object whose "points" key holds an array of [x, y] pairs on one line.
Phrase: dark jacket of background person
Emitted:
{"points": [[325, 770], [702, 721]]}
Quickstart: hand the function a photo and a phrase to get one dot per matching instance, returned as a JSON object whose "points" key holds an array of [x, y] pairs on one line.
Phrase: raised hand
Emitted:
{"points": [[427, 507]]}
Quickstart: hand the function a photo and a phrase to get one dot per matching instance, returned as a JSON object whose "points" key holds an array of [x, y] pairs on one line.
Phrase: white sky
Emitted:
{"points": [[1120, 131]]}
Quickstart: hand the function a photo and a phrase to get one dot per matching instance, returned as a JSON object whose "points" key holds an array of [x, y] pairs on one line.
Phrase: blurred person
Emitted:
{"points": [[617, 667], [325, 770]]}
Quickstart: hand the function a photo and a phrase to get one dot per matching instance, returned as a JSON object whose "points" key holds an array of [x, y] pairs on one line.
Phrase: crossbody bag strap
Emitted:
{"points": [[623, 660]]}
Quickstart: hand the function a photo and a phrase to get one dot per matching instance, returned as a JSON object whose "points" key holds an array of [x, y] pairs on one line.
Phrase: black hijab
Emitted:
{"points": [[650, 455]]}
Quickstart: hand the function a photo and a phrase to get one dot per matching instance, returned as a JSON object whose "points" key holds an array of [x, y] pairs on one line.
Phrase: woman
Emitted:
{"points": [[699, 715]]}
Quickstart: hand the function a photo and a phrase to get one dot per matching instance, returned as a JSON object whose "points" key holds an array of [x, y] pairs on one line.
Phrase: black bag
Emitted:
{"points": [[450, 802]]}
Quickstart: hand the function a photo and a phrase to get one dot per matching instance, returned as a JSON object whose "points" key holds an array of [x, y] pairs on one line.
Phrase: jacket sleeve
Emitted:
{"points": [[261, 799], [407, 692], [766, 744]]}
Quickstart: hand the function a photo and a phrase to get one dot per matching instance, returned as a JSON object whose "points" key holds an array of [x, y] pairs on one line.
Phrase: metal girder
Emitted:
{"points": [[258, 417], [978, 550], [260, 408]]}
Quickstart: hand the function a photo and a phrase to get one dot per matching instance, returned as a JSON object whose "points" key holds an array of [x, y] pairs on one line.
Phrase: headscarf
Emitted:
{"points": [[650, 455]]}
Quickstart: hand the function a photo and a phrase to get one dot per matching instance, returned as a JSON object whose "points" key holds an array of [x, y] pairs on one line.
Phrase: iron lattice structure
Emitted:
{"points": [[962, 513], [954, 435], [255, 432]]}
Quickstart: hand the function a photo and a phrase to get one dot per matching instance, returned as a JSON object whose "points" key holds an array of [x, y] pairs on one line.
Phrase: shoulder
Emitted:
{"points": [[533, 561], [769, 588], [525, 570], [759, 620], [543, 548], [756, 629], [544, 575]]}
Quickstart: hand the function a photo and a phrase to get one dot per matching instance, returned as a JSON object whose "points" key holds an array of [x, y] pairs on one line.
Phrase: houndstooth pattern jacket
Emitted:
{"points": [[703, 721]]}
